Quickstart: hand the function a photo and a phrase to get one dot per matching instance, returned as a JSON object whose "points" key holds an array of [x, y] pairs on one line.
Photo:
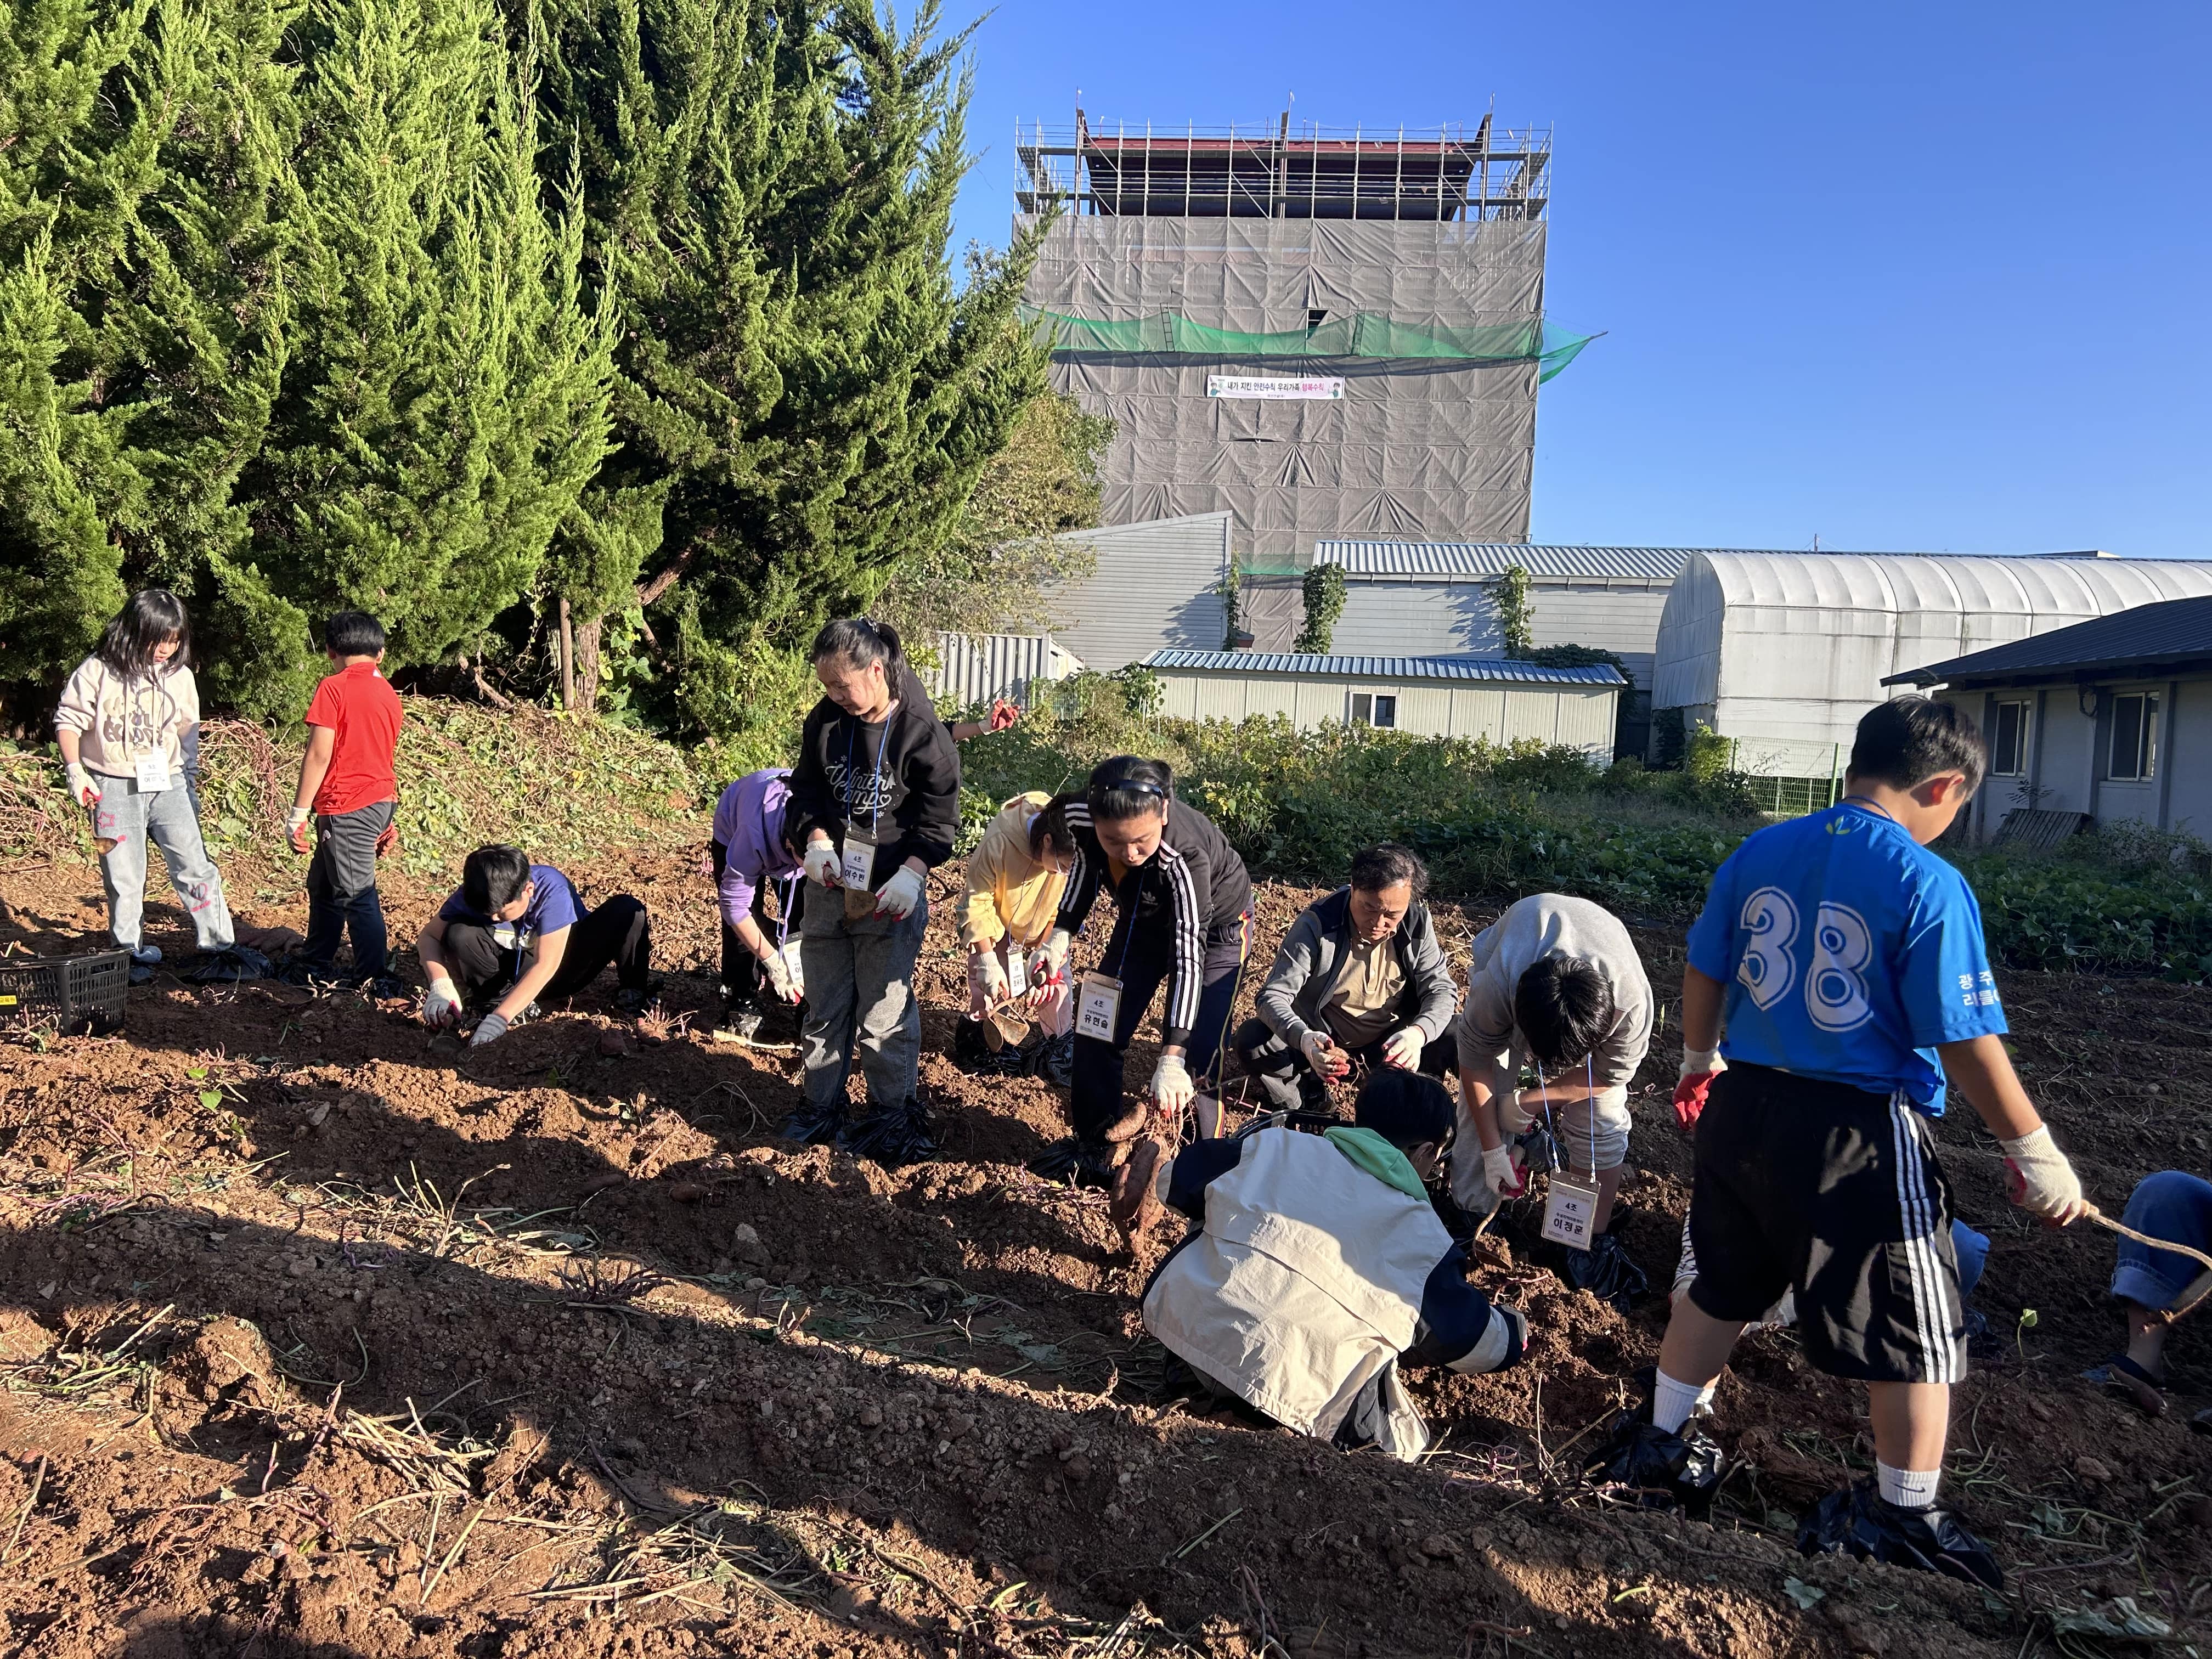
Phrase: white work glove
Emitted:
{"points": [[778, 975], [1514, 1113], [821, 863], [1403, 1047], [490, 1028], [1321, 1053], [1048, 962], [83, 787], [295, 829], [1171, 1085], [2040, 1180], [990, 977], [441, 1004], [1700, 1062], [896, 897], [1501, 1172]]}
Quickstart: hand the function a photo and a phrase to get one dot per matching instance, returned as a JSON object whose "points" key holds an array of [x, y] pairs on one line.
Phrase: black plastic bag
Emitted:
{"points": [[1605, 1270], [1861, 1524], [895, 1136], [232, 965], [1661, 1470]]}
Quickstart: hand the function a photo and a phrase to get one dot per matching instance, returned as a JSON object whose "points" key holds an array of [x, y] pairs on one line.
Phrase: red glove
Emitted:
{"points": [[389, 839], [1699, 1068], [1004, 715]]}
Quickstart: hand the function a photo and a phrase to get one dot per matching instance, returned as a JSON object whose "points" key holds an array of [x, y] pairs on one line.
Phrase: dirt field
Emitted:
{"points": [[325, 1337]]}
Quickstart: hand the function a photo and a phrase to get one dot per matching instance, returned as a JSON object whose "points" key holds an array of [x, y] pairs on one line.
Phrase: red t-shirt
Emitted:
{"points": [[359, 704]]}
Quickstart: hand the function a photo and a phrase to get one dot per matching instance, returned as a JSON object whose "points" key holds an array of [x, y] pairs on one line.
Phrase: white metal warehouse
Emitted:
{"points": [[1499, 701], [1783, 652]]}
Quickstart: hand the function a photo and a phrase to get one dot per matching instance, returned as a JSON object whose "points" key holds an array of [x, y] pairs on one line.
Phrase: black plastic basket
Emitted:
{"points": [[76, 995]]}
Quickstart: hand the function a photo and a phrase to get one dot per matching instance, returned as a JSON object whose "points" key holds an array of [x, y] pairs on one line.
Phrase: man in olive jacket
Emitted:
{"points": [[1360, 977]]}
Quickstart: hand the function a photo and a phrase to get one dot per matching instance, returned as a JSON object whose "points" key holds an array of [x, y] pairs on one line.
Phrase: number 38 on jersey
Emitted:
{"points": [[1833, 981]]}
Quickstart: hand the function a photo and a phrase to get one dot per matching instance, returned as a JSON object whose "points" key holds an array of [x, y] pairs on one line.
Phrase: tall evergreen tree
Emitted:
{"points": [[804, 399], [444, 401], [140, 308]]}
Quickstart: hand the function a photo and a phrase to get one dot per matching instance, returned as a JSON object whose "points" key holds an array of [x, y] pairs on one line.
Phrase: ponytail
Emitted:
{"points": [[1049, 829], [859, 641]]}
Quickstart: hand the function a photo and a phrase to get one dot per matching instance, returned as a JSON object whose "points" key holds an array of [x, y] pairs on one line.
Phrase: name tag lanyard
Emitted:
{"points": [[152, 771], [875, 806], [1099, 1008], [1571, 1205]]}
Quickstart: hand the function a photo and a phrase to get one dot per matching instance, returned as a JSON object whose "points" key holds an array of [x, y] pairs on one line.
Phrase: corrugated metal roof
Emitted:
{"points": [[1657, 564], [2171, 631], [1385, 668]]}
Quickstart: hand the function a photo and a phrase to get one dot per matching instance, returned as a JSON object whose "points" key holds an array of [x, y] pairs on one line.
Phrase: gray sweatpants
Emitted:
{"points": [[170, 818], [860, 997]]}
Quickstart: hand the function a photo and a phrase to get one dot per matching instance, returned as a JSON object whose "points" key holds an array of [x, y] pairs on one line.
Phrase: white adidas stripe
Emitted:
{"points": [[1931, 1307]]}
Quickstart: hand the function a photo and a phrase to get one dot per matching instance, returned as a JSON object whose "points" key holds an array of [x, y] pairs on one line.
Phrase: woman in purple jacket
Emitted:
{"points": [[751, 856]]}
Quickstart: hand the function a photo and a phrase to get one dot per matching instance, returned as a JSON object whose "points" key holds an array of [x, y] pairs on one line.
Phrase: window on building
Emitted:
{"points": [[2008, 740], [1374, 708], [2135, 735], [1315, 319]]}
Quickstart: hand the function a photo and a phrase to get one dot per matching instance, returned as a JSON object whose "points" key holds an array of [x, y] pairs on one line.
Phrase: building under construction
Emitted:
{"points": [[1328, 334]]}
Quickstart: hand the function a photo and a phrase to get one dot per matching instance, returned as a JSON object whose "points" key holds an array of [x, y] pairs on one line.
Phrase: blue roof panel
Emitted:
{"points": [[1498, 669]]}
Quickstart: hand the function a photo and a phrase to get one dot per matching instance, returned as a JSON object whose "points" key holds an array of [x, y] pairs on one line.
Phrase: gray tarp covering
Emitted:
{"points": [[1415, 449]]}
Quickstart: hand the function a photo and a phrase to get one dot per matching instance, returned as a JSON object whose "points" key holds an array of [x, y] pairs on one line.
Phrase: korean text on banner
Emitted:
{"points": [[1320, 388]]}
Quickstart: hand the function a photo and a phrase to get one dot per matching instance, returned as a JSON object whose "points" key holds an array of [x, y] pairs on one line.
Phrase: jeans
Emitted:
{"points": [[859, 1002], [618, 932], [170, 818], [2167, 1204], [1095, 1098], [342, 891], [1287, 1079]]}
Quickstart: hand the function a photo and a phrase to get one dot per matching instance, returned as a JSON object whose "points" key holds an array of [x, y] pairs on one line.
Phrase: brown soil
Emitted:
{"points": [[324, 1336]]}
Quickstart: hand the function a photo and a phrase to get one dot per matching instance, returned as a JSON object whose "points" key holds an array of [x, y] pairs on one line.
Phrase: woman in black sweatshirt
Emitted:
{"points": [[1185, 917], [876, 801]]}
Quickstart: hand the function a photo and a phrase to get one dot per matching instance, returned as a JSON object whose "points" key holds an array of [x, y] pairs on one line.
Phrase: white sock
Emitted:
{"points": [[1672, 1402], [1908, 1489]]}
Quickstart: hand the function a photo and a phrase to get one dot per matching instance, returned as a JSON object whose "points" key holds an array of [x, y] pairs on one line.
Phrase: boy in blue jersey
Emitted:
{"points": [[1847, 960]]}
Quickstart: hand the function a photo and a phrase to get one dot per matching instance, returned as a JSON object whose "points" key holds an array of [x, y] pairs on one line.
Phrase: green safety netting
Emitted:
{"points": [[1362, 334]]}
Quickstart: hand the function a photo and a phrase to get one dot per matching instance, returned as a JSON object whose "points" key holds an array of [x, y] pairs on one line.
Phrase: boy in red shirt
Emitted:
{"points": [[346, 778]]}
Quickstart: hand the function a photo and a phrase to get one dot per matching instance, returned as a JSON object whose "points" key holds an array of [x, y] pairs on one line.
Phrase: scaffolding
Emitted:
{"points": [[1267, 171], [1325, 333]]}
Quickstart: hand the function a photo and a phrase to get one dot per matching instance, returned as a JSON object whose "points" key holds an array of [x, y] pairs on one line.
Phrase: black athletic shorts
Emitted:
{"points": [[1834, 1193]]}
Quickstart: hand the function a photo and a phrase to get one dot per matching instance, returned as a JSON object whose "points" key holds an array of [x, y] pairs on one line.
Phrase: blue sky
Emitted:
{"points": [[1927, 278]]}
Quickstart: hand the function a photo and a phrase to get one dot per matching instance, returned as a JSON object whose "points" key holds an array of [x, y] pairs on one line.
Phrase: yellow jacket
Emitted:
{"points": [[1008, 891]]}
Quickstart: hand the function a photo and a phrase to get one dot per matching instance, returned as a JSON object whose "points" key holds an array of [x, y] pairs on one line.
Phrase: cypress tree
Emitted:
{"points": [[444, 400], [140, 313], [803, 398]]}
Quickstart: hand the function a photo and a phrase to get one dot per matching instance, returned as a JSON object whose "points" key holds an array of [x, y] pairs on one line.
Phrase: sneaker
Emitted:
{"points": [[1661, 1470], [146, 956], [303, 974], [1864, 1525], [1085, 1162], [815, 1126], [385, 987], [634, 1000], [894, 1137]]}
